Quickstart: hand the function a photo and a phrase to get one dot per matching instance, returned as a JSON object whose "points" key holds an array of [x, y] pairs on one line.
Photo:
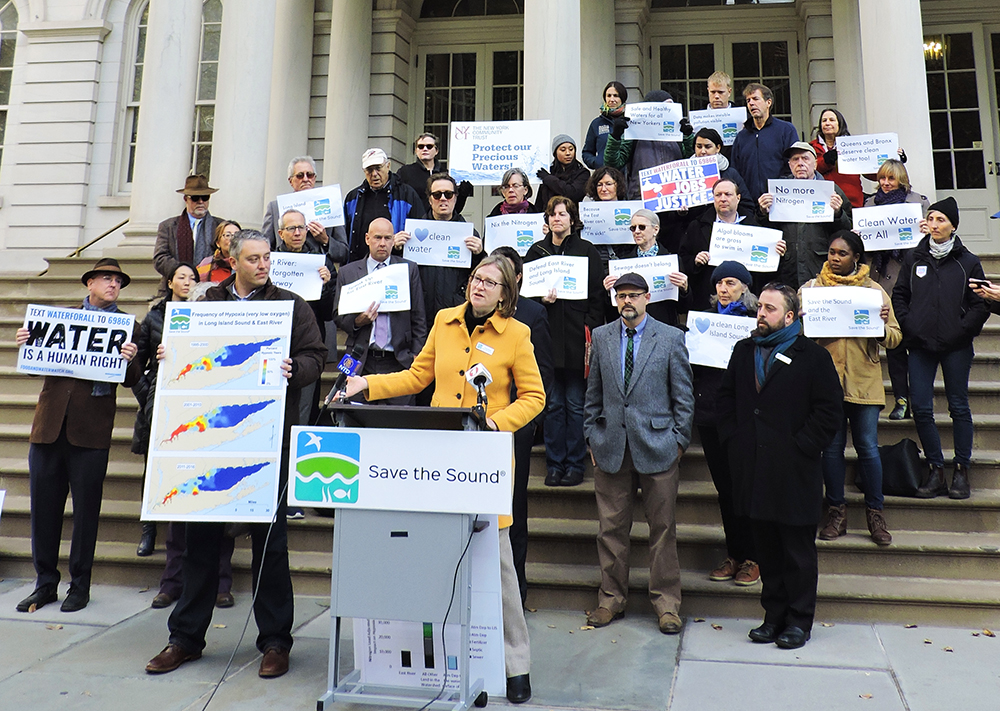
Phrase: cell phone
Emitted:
{"points": [[980, 282]]}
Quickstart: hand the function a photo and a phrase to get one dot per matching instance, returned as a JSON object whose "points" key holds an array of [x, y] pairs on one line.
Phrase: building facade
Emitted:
{"points": [[106, 105]]}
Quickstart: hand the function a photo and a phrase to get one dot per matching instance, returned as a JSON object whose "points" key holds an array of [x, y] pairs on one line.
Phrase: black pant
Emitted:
{"points": [[523, 439], [54, 470], [739, 537], [898, 371], [789, 572]]}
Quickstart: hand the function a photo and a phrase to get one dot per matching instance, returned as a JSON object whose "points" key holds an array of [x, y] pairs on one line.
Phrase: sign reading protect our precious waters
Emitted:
{"points": [[75, 343], [727, 122], [482, 151], [842, 311], [215, 439], [889, 226], [711, 336], [608, 222], [867, 153], [517, 231], [801, 200], [323, 205]]}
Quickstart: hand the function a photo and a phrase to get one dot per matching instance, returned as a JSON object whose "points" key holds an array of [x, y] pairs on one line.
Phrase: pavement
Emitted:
{"points": [[95, 658]]}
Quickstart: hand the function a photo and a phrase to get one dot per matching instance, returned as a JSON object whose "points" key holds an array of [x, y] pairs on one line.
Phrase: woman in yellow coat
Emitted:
{"points": [[857, 363], [481, 331]]}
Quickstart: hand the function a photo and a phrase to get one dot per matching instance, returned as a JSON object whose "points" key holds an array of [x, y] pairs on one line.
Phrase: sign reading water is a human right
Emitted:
{"points": [[727, 122], [710, 337], [516, 231], [866, 153], [680, 184], [482, 151], [75, 343], [654, 121], [437, 243], [608, 222], [889, 226], [567, 275], [655, 270], [801, 200], [401, 470], [842, 311], [753, 247], [323, 205]]}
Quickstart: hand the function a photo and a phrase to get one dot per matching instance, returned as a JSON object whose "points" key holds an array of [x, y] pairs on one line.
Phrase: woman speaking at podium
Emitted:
{"points": [[481, 331]]}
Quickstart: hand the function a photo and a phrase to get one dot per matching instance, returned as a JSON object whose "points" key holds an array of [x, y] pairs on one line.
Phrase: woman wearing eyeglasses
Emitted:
{"points": [[216, 268], [481, 330], [515, 190]]}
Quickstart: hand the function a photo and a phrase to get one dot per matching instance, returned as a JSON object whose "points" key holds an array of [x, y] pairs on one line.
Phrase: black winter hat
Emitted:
{"points": [[947, 207], [733, 269]]}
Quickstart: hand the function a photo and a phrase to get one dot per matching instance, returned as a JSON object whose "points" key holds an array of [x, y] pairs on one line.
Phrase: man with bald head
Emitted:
{"points": [[395, 338]]}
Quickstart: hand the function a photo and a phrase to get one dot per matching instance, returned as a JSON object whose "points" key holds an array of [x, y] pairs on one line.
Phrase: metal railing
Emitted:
{"points": [[76, 252]]}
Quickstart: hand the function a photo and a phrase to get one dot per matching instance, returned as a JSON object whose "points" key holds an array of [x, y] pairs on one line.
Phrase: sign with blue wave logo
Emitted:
{"points": [[623, 216], [758, 253], [391, 292], [326, 466], [454, 253], [905, 234], [818, 207], [569, 283], [861, 317], [729, 131], [525, 238], [659, 282], [180, 321], [322, 208]]}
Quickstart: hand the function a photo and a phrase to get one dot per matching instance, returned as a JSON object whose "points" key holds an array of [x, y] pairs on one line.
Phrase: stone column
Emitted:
{"points": [[166, 118], [597, 35], [632, 47], [390, 87], [552, 54]]}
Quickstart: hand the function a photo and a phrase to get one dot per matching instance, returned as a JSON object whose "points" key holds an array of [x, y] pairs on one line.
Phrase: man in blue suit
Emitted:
{"points": [[639, 411]]}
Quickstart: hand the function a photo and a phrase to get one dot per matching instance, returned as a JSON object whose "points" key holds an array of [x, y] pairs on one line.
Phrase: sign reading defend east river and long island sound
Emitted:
{"points": [[680, 184], [75, 343], [889, 226], [482, 151]]}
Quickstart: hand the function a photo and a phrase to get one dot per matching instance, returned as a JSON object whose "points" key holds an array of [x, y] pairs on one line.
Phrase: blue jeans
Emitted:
{"points": [[955, 367], [864, 431], [565, 447]]}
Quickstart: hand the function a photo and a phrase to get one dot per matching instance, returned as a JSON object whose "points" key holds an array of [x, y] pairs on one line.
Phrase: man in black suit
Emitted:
{"points": [[395, 338]]}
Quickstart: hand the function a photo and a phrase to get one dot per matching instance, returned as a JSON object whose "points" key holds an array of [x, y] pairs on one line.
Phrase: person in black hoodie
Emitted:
{"points": [[566, 176], [565, 447], [940, 316]]}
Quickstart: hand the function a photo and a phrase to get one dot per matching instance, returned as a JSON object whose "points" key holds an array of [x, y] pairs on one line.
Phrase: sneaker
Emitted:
{"points": [[725, 571], [748, 574], [877, 527], [295, 514], [901, 411]]}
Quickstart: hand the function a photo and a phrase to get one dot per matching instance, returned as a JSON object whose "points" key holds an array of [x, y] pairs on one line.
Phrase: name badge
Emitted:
{"points": [[921, 270], [783, 358], [484, 348]]}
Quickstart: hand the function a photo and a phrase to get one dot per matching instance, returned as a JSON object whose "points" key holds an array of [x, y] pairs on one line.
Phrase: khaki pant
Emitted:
{"points": [[517, 650]]}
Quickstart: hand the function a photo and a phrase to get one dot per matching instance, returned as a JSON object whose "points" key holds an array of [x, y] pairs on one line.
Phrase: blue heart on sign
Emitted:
{"points": [[421, 233], [702, 324]]}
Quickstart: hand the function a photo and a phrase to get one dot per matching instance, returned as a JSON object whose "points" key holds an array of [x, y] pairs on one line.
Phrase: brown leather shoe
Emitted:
{"points": [[834, 523], [670, 623], [274, 663], [224, 600], [725, 571], [748, 574], [877, 528], [172, 656], [602, 617], [162, 600]]}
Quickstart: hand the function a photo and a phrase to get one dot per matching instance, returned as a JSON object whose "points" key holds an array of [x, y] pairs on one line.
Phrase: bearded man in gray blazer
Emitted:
{"points": [[638, 416]]}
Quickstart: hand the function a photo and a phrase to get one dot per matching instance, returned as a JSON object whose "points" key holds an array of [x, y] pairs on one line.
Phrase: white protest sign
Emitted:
{"points": [[75, 343], [710, 337], [680, 184], [401, 470], [753, 247], [389, 286], [608, 222], [801, 200], [655, 270], [516, 231], [842, 311], [567, 275], [482, 151], [437, 243], [653, 121], [726, 121], [299, 273], [866, 153], [323, 205], [3, 493], [889, 226]]}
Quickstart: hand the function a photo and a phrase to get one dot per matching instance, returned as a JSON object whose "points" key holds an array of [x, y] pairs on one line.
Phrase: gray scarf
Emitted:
{"points": [[942, 250], [100, 388]]}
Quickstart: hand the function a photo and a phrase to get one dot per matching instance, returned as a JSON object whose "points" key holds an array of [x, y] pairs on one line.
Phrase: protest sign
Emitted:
{"points": [[753, 247], [801, 200], [517, 231], [842, 311], [866, 153], [889, 226], [299, 273], [710, 337], [567, 275], [323, 205], [655, 270], [437, 243], [482, 151], [75, 343], [680, 184], [727, 122], [653, 121], [607, 222], [389, 286]]}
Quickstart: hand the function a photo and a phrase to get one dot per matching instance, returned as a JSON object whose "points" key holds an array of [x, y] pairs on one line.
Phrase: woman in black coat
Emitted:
{"points": [[566, 176]]}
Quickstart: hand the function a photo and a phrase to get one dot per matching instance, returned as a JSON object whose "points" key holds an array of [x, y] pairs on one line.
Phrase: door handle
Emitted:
{"points": [[989, 164]]}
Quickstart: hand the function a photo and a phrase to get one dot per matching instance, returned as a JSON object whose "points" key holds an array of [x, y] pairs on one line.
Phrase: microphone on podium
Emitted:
{"points": [[479, 377]]}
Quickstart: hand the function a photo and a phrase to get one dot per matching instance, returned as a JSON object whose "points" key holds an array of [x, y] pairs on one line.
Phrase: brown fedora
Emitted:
{"points": [[107, 265], [197, 185]]}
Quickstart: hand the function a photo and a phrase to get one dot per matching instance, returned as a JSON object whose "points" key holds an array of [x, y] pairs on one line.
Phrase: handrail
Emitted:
{"points": [[76, 252]]}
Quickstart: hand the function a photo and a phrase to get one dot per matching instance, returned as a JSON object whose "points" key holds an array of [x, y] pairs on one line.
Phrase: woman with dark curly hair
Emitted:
{"points": [[615, 95]]}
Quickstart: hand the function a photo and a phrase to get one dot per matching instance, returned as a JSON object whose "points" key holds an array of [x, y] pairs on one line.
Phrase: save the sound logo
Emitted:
{"points": [[569, 283], [758, 253], [391, 292], [525, 238], [905, 234], [454, 253], [668, 126], [659, 282], [180, 320], [326, 467], [861, 317], [321, 208], [729, 132], [882, 158], [623, 216], [818, 208]]}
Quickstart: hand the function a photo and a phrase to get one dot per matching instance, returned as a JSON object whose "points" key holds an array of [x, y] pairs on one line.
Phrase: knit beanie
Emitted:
{"points": [[561, 139], [733, 269], [947, 207], [658, 95]]}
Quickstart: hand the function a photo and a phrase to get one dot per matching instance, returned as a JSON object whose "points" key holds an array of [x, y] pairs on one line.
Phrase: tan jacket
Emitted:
{"points": [[857, 359]]}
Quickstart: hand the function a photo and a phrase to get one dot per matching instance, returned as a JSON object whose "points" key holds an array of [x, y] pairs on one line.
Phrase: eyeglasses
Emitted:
{"points": [[628, 296], [488, 283], [300, 176], [374, 168], [638, 228], [446, 194], [294, 228], [198, 198], [425, 146], [512, 187]]}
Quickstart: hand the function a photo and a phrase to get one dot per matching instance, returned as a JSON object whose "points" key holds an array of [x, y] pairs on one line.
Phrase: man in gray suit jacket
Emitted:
{"points": [[639, 412]]}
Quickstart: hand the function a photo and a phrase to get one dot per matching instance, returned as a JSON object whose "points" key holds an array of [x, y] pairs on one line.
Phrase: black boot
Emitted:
{"points": [[934, 485], [959, 482], [148, 541]]}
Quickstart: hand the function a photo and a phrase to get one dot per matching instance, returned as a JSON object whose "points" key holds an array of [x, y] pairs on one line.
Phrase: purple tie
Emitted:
{"points": [[381, 324]]}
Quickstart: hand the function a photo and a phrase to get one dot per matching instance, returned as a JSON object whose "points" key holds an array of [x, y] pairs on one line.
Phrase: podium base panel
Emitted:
{"points": [[352, 691]]}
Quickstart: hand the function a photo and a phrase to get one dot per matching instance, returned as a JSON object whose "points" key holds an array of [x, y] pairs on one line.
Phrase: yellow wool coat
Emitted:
{"points": [[857, 359]]}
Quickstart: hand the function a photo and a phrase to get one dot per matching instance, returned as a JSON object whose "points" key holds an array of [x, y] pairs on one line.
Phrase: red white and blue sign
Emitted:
{"points": [[679, 185]]}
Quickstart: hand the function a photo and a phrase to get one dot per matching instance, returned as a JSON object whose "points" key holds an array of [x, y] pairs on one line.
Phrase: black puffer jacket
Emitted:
{"points": [[150, 335], [569, 181]]}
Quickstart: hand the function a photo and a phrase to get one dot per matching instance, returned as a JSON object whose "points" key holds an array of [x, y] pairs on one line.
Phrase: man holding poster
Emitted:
{"points": [[632, 156], [70, 439]]}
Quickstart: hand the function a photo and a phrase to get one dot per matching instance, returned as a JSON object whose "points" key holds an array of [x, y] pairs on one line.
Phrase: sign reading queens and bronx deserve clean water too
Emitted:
{"points": [[75, 343], [516, 231], [401, 470], [753, 247], [801, 200], [482, 151], [436, 243], [866, 153], [842, 311], [889, 226]]}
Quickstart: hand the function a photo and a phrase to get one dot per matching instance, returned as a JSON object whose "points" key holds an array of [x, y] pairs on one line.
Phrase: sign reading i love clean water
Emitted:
{"points": [[436, 243], [710, 337]]}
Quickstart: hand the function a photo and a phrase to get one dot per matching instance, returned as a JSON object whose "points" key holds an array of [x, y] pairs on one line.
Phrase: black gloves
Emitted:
{"points": [[830, 157], [465, 189], [686, 128], [618, 126]]}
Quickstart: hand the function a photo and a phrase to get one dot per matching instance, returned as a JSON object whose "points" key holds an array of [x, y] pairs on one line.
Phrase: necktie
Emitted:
{"points": [[381, 324], [197, 238], [629, 349]]}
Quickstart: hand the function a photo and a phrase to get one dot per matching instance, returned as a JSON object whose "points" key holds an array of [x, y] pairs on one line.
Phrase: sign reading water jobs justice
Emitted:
{"points": [[889, 226], [436, 243], [801, 200], [401, 470], [299, 273], [75, 343], [516, 231], [753, 247], [842, 311], [680, 184]]}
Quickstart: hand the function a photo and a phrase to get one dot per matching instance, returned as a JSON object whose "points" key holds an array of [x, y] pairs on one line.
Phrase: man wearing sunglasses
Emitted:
{"points": [[188, 237], [416, 174]]}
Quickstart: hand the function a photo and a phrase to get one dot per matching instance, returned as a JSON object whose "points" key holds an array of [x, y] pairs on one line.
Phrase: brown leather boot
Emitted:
{"points": [[934, 484], [959, 482], [877, 528], [834, 523]]}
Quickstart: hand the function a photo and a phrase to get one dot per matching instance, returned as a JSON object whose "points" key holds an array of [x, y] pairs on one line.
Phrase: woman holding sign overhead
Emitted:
{"points": [[857, 363]]}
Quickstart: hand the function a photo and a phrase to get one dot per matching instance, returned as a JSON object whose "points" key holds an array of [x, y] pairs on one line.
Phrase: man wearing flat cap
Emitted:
{"points": [[190, 236], [70, 439], [638, 413]]}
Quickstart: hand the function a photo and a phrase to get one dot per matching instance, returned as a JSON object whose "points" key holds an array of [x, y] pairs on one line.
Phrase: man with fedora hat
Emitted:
{"points": [[188, 237], [70, 439]]}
